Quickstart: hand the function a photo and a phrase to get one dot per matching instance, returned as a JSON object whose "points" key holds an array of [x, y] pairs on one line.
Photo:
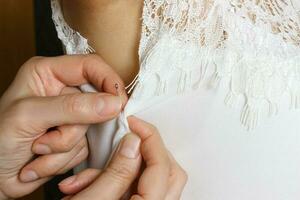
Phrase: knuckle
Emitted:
{"points": [[92, 63], [92, 59], [85, 154], [33, 61], [30, 65], [151, 130], [77, 130], [120, 172], [82, 144], [72, 104], [69, 142], [65, 144]]}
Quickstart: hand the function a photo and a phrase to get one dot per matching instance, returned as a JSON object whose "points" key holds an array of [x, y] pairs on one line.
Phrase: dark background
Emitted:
{"points": [[47, 44], [16, 37]]}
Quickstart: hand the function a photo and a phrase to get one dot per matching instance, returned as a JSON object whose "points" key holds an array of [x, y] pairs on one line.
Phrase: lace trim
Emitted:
{"points": [[72, 40], [277, 16], [189, 43]]}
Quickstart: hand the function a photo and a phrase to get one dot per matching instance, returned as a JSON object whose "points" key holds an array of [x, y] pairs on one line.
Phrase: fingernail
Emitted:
{"points": [[108, 105], [130, 146], [68, 181], [41, 149], [28, 176]]}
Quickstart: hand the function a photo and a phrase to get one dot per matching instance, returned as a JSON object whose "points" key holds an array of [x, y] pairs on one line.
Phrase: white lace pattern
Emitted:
{"points": [[186, 44], [73, 41]]}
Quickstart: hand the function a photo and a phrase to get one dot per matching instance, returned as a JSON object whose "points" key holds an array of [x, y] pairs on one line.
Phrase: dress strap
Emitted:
{"points": [[74, 42]]}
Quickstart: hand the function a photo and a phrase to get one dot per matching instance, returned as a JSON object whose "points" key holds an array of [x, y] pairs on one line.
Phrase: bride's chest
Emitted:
{"points": [[112, 29]]}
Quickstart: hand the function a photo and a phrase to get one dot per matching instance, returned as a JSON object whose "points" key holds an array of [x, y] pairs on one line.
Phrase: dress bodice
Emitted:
{"points": [[190, 43], [194, 56]]}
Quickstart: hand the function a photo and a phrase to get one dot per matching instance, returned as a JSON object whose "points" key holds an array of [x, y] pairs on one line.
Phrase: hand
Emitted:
{"points": [[162, 178], [43, 113]]}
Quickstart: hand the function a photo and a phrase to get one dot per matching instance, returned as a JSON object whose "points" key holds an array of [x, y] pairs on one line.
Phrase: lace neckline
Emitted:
{"points": [[190, 43], [73, 41]]}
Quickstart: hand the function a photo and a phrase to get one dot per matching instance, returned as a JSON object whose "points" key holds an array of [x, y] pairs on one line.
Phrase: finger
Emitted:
{"points": [[65, 110], [120, 173], [49, 165], [78, 182], [79, 158], [154, 180], [64, 138], [73, 70], [177, 180], [14, 188]]}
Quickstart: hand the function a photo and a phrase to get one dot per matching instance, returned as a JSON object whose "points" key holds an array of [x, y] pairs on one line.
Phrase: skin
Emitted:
{"points": [[44, 102], [112, 28], [162, 178], [43, 96], [47, 89]]}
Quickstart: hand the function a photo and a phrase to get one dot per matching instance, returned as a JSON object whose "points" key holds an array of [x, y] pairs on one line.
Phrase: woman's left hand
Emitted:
{"points": [[44, 118]]}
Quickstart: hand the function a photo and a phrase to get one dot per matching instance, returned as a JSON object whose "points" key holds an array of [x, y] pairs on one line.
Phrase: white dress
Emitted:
{"points": [[221, 81]]}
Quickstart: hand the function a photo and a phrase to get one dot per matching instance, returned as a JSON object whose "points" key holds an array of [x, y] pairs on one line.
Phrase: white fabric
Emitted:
{"points": [[194, 54]]}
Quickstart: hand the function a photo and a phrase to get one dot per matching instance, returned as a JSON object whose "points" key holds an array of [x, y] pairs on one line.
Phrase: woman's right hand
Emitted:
{"points": [[162, 178]]}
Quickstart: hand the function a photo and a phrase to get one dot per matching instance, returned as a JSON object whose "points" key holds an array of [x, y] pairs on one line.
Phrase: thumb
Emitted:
{"points": [[116, 179]]}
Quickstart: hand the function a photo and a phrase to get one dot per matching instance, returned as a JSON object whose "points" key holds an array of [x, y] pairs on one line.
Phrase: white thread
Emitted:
{"points": [[193, 43], [132, 85]]}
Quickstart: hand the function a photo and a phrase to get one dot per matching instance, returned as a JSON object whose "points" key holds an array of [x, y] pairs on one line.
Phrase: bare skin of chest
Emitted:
{"points": [[112, 28]]}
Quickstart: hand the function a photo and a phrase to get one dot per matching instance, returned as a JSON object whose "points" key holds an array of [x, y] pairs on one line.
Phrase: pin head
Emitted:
{"points": [[117, 88]]}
